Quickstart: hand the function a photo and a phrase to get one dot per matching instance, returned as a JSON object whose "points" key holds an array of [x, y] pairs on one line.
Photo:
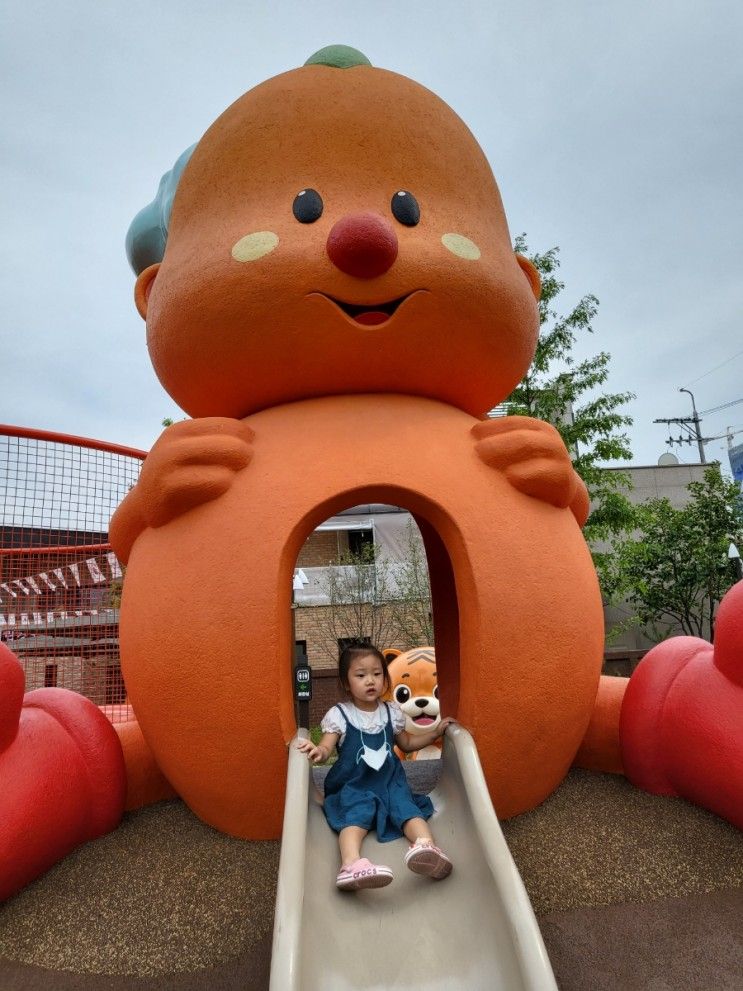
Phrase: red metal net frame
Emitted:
{"points": [[60, 581]]}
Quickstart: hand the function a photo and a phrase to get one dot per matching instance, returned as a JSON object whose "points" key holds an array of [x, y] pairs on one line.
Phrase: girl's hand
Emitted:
{"points": [[314, 753], [445, 723]]}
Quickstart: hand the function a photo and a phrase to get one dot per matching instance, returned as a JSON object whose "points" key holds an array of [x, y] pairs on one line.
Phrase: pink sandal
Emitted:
{"points": [[427, 859], [363, 873]]}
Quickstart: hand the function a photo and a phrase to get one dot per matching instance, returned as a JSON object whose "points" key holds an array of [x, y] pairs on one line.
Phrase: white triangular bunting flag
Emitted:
{"points": [[58, 573], [113, 563], [95, 572], [21, 586], [75, 572]]}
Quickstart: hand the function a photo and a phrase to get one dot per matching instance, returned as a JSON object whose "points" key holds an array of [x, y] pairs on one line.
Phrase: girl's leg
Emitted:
{"points": [[424, 857], [349, 841], [364, 874], [417, 829]]}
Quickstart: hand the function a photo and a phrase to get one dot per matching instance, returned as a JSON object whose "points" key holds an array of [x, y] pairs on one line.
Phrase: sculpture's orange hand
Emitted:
{"points": [[534, 459], [193, 462]]}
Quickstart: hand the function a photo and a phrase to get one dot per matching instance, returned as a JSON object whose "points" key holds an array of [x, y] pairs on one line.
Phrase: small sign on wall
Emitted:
{"points": [[303, 683]]}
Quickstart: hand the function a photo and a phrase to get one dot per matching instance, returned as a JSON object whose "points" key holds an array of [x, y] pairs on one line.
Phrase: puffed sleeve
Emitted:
{"points": [[398, 718], [332, 722]]}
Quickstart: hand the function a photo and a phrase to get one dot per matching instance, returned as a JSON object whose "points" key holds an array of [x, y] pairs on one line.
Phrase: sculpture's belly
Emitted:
{"points": [[206, 620]]}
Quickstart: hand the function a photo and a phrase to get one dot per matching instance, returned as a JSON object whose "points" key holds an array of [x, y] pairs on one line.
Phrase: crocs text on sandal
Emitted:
{"points": [[363, 873]]}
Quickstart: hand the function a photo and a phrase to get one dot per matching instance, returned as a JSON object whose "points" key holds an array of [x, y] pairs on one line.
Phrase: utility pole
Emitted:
{"points": [[692, 425], [695, 421]]}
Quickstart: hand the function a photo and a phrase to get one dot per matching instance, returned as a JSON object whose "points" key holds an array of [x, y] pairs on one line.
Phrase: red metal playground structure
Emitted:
{"points": [[60, 581]]}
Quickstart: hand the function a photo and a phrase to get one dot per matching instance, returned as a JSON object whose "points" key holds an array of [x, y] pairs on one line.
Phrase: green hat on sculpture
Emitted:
{"points": [[339, 57]]}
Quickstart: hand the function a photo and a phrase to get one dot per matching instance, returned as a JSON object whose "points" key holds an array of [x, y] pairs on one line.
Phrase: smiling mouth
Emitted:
{"points": [[423, 720], [372, 315]]}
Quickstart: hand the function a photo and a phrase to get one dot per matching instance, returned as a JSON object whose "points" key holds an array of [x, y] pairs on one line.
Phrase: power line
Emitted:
{"points": [[722, 363], [716, 409]]}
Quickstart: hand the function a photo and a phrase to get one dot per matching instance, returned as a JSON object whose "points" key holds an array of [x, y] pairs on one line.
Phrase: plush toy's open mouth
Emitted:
{"points": [[423, 720], [368, 316]]}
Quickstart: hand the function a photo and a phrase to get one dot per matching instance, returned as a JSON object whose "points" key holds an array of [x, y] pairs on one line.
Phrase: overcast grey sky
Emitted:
{"points": [[614, 130]]}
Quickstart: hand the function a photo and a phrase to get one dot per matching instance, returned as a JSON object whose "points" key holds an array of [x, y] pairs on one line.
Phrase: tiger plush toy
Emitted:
{"points": [[415, 688]]}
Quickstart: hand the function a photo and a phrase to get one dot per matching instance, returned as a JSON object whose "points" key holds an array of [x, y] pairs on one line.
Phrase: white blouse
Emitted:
{"points": [[367, 722]]}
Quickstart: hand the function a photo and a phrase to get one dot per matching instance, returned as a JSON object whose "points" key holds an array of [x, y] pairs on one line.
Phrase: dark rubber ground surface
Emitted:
{"points": [[631, 891]]}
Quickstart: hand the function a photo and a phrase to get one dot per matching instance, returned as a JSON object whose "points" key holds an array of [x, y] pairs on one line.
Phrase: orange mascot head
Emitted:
{"points": [[353, 238]]}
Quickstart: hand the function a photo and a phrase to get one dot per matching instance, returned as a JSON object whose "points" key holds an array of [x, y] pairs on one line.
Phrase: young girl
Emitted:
{"points": [[366, 788]]}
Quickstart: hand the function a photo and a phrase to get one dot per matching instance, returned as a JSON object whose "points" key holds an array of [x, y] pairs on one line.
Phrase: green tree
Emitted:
{"points": [[674, 570], [371, 599], [569, 394], [411, 607], [358, 589], [115, 591]]}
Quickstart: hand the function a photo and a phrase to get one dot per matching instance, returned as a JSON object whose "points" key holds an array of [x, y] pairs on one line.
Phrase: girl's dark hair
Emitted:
{"points": [[352, 653]]}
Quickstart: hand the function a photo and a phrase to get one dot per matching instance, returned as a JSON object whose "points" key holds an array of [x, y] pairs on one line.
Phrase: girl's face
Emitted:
{"points": [[366, 681]]}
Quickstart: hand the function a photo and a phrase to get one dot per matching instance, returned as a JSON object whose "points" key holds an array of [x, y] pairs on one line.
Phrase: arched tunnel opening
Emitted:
{"points": [[369, 572]]}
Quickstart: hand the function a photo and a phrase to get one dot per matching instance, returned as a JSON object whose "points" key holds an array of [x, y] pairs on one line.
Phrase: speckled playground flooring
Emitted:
{"points": [[599, 841], [167, 895]]}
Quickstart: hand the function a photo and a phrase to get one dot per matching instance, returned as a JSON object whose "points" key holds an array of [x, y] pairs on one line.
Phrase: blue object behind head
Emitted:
{"points": [[148, 232]]}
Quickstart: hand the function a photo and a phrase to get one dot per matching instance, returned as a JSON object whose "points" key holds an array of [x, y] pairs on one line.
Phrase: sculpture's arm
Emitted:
{"points": [[193, 462], [534, 459]]}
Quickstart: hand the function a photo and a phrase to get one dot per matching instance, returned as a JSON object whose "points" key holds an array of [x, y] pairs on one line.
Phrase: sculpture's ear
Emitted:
{"points": [[390, 653], [143, 288], [532, 275]]}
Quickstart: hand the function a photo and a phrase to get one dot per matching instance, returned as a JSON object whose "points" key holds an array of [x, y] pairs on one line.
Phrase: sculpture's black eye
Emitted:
{"points": [[307, 206], [402, 694], [435, 691], [405, 208]]}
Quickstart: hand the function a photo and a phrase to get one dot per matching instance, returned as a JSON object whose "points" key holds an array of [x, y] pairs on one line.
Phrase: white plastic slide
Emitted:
{"points": [[473, 931]]}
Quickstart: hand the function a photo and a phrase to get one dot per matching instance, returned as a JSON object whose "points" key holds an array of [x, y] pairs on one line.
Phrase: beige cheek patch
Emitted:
{"points": [[254, 246], [461, 246]]}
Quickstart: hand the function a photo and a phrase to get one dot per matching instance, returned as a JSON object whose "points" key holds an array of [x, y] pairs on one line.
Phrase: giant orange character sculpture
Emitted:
{"points": [[335, 302], [337, 305]]}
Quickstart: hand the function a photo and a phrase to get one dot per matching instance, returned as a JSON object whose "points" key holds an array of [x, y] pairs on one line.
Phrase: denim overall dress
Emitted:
{"points": [[358, 795]]}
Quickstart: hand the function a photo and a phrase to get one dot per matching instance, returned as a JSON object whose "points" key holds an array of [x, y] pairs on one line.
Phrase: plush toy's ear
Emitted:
{"points": [[390, 653], [143, 288], [535, 280]]}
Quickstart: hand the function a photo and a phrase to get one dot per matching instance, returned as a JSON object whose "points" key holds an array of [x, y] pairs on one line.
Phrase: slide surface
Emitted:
{"points": [[475, 930]]}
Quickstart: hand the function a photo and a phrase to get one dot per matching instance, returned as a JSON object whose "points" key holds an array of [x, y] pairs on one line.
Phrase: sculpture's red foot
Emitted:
{"points": [[62, 779], [681, 725]]}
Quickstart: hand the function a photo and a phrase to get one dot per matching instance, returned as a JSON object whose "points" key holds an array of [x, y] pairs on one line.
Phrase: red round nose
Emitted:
{"points": [[362, 244]]}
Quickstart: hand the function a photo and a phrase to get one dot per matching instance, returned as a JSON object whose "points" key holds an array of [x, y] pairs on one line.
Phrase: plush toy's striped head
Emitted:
{"points": [[414, 686]]}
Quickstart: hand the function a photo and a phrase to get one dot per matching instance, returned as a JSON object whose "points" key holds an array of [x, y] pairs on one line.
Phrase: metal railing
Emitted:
{"points": [[60, 581]]}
